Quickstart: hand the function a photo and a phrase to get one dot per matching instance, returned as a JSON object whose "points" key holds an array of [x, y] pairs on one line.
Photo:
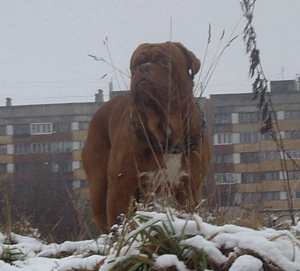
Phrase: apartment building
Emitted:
{"points": [[45, 141], [247, 165]]}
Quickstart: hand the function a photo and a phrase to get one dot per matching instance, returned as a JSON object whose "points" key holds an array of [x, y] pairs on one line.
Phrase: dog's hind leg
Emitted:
{"points": [[95, 165], [98, 189]]}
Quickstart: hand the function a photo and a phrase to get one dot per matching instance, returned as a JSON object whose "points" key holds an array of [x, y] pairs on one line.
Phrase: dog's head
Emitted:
{"points": [[162, 91], [162, 74]]}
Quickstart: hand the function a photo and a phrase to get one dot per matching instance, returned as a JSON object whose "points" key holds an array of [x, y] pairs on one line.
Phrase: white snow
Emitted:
{"points": [[209, 247], [247, 248], [29, 254], [247, 263], [168, 260], [297, 227]]}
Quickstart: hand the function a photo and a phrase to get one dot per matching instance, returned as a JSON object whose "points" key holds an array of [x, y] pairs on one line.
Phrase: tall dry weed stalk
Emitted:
{"points": [[262, 95]]}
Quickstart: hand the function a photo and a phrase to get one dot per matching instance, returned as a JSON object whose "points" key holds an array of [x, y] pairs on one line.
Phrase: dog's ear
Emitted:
{"points": [[194, 63]]}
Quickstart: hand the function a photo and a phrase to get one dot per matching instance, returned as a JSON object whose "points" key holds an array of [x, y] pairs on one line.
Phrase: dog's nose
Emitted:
{"points": [[145, 68]]}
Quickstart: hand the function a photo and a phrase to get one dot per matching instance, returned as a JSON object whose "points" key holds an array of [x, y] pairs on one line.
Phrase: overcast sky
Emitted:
{"points": [[44, 44]]}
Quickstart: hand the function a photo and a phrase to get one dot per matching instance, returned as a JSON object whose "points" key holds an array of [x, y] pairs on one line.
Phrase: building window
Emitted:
{"points": [[21, 130], [250, 177], [222, 119], [296, 195], [23, 168], [270, 156], [62, 127], [43, 147], [223, 139], [269, 136], [54, 167], [22, 148], [272, 196], [41, 167], [36, 148], [251, 197], [293, 154], [65, 167], [81, 144], [295, 134], [3, 168], [224, 178], [249, 157], [272, 175], [68, 146], [41, 128], [3, 149], [294, 175], [57, 147], [3, 131], [80, 184], [251, 117], [292, 114], [61, 167], [222, 159], [248, 138], [62, 147], [76, 184], [84, 183], [83, 125]]}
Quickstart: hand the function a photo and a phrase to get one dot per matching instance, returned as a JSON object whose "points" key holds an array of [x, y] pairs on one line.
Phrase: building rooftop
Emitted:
{"points": [[64, 109]]}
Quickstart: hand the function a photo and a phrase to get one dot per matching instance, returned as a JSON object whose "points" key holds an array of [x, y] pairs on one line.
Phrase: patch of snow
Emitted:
{"points": [[210, 248], [168, 260], [247, 263], [220, 244], [297, 227]]}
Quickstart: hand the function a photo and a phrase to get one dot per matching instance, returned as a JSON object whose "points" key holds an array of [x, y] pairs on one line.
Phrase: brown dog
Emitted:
{"points": [[150, 136]]}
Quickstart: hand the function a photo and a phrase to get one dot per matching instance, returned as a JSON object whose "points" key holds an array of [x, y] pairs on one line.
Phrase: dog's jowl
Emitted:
{"points": [[151, 138]]}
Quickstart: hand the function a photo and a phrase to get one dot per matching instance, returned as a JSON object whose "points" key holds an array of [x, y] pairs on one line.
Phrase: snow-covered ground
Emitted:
{"points": [[246, 249]]}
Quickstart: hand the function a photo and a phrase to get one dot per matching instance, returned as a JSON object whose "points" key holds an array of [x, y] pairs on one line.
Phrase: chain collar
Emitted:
{"points": [[163, 147]]}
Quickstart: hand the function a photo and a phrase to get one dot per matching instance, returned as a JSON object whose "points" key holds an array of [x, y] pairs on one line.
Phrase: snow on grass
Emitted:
{"points": [[167, 260], [159, 240], [246, 263], [26, 253]]}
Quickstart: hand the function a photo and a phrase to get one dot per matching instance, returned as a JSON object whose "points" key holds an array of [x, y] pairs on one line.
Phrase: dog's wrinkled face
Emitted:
{"points": [[162, 88], [162, 74]]}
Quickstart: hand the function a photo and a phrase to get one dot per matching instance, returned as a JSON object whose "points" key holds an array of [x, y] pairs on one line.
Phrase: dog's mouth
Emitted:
{"points": [[147, 91], [145, 85]]}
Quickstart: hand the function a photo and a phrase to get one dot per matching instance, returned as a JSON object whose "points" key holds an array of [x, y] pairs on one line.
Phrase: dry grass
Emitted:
{"points": [[156, 237], [71, 223], [250, 218]]}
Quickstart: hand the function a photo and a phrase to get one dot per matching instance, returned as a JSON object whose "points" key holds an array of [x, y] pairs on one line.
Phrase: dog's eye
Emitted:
{"points": [[165, 62], [136, 66]]}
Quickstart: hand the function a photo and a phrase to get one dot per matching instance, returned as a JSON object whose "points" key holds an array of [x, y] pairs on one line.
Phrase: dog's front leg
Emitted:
{"points": [[122, 184], [121, 188]]}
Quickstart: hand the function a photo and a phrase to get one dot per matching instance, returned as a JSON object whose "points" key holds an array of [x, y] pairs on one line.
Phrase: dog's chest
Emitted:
{"points": [[171, 171]]}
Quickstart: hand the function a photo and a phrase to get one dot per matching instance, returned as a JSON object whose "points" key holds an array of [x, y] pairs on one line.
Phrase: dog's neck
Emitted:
{"points": [[173, 132]]}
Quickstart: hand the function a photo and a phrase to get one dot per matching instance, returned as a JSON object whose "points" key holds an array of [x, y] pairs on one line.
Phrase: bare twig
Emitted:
{"points": [[260, 90], [202, 83]]}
